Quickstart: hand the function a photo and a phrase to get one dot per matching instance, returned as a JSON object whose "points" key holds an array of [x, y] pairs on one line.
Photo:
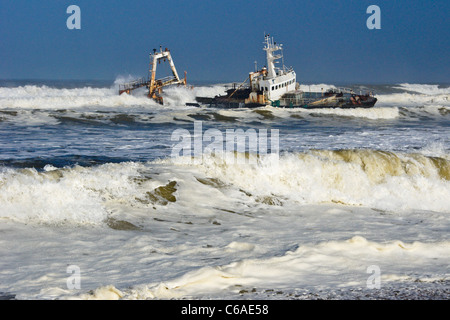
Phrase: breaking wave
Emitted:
{"points": [[417, 95], [92, 195], [377, 179], [44, 97]]}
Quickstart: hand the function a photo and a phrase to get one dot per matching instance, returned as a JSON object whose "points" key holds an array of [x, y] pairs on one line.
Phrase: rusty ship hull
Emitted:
{"points": [[295, 99]]}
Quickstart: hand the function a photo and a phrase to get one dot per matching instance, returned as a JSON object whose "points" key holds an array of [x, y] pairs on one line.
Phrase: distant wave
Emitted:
{"points": [[429, 89], [43, 97], [37, 104]]}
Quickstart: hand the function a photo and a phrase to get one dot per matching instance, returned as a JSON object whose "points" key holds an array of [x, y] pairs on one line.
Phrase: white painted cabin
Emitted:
{"points": [[271, 80]]}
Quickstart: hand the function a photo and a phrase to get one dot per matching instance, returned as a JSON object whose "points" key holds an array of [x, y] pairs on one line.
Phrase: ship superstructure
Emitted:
{"points": [[272, 81], [277, 86]]}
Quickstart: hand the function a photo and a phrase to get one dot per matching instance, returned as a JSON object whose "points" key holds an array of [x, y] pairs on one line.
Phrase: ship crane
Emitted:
{"points": [[155, 85]]}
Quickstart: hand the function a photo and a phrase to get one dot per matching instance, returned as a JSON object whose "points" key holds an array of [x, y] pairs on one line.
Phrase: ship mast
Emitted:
{"points": [[270, 49]]}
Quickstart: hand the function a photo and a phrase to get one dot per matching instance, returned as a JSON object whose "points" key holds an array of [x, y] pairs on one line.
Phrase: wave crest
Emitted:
{"points": [[377, 179], [92, 195]]}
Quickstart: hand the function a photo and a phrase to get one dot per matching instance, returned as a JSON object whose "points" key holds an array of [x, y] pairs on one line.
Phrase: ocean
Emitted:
{"points": [[344, 204]]}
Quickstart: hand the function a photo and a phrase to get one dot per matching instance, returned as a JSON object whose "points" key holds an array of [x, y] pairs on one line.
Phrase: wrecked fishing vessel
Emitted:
{"points": [[277, 87], [154, 85]]}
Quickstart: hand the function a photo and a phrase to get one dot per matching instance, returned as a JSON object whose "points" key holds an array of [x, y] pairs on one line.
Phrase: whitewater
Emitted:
{"points": [[93, 204]]}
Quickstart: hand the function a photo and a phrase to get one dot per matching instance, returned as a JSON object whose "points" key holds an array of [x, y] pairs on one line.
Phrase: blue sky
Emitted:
{"points": [[324, 40]]}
